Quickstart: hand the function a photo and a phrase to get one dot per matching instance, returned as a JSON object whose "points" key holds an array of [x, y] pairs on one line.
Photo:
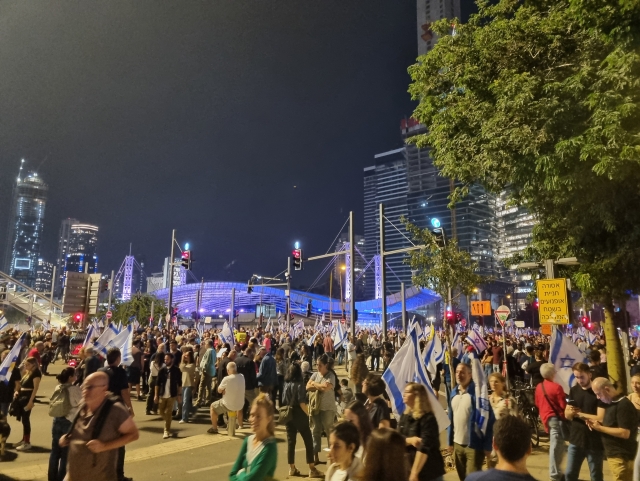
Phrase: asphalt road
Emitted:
{"points": [[191, 454]]}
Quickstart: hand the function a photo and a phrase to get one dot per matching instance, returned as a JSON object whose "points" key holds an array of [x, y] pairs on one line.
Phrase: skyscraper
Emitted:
{"points": [[81, 249], [428, 12], [44, 276], [25, 227], [63, 249]]}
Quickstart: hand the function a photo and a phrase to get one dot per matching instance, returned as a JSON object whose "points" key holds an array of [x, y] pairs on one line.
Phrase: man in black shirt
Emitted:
{"points": [[379, 412], [618, 429], [598, 369], [583, 442], [247, 367]]}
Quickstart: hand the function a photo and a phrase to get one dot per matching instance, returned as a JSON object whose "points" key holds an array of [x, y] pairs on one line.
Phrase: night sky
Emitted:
{"points": [[245, 125]]}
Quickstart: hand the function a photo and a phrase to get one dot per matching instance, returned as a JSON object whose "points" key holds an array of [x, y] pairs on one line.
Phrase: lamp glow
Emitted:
{"points": [[435, 222]]}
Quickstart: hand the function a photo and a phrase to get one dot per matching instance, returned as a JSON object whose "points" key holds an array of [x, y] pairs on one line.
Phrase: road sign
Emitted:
{"points": [[519, 323], [554, 306], [480, 308], [109, 314], [545, 329], [502, 313]]}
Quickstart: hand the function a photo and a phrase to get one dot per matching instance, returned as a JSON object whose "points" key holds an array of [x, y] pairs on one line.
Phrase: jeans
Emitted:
{"points": [[322, 422], [488, 369], [556, 448], [340, 356], [299, 424], [151, 406], [4, 409], [58, 456], [575, 457], [204, 391], [375, 360], [26, 424], [496, 368], [187, 402], [277, 390]]}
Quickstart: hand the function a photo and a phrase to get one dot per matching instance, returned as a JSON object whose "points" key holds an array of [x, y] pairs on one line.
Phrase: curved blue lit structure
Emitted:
{"points": [[216, 300]]}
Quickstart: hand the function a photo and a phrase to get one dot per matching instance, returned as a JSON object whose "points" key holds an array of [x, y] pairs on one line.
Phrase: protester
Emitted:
{"points": [[420, 428], [247, 367], [157, 363], [466, 441], [379, 412], [207, 373], [385, 450], [258, 455], [357, 413], [618, 429], [294, 395], [322, 383], [134, 370], [551, 403], [512, 443], [168, 390], [232, 390], [63, 406], [533, 368], [26, 398], [351, 352], [94, 456], [359, 372], [91, 361], [634, 397], [347, 392], [7, 390], [282, 365], [344, 442], [267, 373], [583, 442], [188, 370]]}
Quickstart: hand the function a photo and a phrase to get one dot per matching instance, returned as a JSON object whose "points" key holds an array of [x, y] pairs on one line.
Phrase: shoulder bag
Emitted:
{"points": [[286, 412], [564, 424]]}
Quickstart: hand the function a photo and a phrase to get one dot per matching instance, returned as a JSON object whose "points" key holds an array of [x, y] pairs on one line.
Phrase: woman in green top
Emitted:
{"points": [[259, 453]]}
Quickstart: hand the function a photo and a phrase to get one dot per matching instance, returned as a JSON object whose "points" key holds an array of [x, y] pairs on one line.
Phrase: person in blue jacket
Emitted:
{"points": [[267, 375], [467, 442]]}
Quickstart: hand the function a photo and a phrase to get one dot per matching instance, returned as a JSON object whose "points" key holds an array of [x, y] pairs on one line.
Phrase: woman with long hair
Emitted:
{"points": [[501, 404], [359, 372], [188, 370], [420, 428], [62, 424], [385, 449], [344, 442], [323, 383], [157, 363], [295, 396], [29, 385], [258, 455], [357, 413]]}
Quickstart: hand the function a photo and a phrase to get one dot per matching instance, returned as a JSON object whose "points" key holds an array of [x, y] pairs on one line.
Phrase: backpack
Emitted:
{"points": [[60, 404]]}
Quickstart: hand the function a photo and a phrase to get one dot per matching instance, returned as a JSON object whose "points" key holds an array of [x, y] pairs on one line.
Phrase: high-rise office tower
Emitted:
{"points": [[428, 12], [25, 227], [63, 249], [385, 182], [44, 276], [81, 250]]}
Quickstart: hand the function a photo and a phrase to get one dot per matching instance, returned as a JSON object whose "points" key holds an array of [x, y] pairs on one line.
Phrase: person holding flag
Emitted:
{"points": [[10, 375]]}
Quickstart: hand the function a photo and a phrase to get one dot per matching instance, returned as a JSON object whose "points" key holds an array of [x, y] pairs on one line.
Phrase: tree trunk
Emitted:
{"points": [[615, 360]]}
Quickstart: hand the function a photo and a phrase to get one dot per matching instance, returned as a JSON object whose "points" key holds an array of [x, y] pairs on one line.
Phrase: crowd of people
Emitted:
{"points": [[275, 377]]}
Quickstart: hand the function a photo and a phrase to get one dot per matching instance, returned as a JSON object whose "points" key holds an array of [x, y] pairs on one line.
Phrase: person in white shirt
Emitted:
{"points": [[232, 390], [351, 352]]}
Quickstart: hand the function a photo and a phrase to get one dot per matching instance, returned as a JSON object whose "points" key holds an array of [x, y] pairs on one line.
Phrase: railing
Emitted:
{"points": [[32, 303]]}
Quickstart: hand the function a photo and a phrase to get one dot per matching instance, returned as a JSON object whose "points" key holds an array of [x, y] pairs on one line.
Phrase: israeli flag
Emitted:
{"points": [[339, 335], [102, 343], [119, 326], [312, 339], [408, 366], [475, 339], [91, 333], [457, 343], [433, 353], [226, 335], [3, 323], [12, 358], [592, 338], [132, 318], [564, 354], [483, 406], [124, 342]]}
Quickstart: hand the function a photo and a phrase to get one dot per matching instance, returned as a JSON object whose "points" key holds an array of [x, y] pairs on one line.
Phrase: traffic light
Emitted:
{"points": [[77, 317], [536, 304], [297, 259], [450, 317], [186, 260]]}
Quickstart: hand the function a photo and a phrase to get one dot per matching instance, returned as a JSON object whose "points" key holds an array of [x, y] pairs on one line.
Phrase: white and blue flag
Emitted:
{"points": [[12, 358], [102, 343], [91, 333], [564, 354], [433, 353], [457, 344], [339, 335], [3, 323], [483, 406], [312, 339], [226, 334], [475, 339], [408, 366], [124, 342]]}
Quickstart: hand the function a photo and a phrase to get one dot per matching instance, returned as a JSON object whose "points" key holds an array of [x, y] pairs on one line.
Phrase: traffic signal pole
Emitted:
{"points": [[383, 271], [173, 244], [288, 292], [352, 276]]}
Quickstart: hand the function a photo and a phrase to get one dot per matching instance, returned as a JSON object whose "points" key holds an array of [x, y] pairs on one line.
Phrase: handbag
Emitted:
{"points": [[565, 427], [285, 413]]}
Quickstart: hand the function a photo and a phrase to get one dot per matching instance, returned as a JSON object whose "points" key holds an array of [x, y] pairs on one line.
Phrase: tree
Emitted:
{"points": [[543, 98], [139, 306], [441, 266]]}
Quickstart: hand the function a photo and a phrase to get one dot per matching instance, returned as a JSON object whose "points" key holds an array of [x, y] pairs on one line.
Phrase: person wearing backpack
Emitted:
{"points": [[102, 425], [63, 407]]}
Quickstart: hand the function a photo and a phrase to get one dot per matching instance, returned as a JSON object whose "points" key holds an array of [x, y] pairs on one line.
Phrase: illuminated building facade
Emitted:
{"points": [[44, 276], [82, 250], [26, 224]]}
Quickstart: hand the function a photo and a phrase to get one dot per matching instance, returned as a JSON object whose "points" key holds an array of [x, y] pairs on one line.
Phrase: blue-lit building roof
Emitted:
{"points": [[216, 299]]}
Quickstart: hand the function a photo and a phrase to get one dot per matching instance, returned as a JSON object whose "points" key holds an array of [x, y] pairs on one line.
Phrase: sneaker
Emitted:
{"points": [[212, 431], [166, 435], [181, 422], [314, 473], [294, 472], [24, 447], [18, 444]]}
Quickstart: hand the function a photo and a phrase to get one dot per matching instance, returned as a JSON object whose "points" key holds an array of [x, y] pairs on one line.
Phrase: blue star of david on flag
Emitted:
{"points": [[567, 362]]}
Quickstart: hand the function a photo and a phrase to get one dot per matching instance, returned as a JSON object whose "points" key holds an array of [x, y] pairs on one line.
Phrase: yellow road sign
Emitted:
{"points": [[480, 308], [552, 296]]}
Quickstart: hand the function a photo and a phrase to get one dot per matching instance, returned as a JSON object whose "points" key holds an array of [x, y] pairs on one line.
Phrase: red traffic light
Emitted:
{"points": [[77, 317], [588, 325], [186, 255], [536, 304], [296, 253]]}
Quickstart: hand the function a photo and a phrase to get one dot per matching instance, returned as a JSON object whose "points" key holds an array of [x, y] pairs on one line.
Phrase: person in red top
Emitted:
{"points": [[498, 356], [328, 345], [551, 403], [35, 352]]}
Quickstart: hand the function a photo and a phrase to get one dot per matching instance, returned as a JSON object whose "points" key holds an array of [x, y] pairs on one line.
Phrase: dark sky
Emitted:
{"points": [[203, 116]]}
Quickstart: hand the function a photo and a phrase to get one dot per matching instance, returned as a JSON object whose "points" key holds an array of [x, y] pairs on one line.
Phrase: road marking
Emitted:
{"points": [[225, 465]]}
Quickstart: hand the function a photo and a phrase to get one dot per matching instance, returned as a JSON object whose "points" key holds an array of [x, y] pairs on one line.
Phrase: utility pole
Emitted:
{"points": [[232, 314], [383, 269], [173, 243], [288, 292], [111, 292], [404, 307], [352, 276], [51, 294]]}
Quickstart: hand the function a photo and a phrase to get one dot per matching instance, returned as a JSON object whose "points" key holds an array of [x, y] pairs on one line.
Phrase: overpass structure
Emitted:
{"points": [[34, 304]]}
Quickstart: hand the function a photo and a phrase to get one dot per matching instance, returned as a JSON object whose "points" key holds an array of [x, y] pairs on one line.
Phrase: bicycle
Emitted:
{"points": [[525, 401]]}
